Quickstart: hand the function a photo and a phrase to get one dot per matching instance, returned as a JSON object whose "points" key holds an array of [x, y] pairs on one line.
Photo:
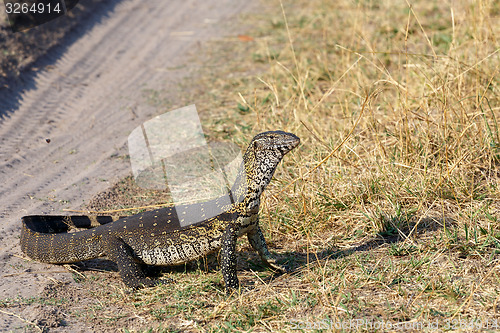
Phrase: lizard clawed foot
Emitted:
{"points": [[163, 281], [233, 291], [147, 283], [271, 263]]}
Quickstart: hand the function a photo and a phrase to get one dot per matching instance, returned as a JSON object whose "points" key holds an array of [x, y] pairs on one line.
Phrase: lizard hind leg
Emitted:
{"points": [[131, 272]]}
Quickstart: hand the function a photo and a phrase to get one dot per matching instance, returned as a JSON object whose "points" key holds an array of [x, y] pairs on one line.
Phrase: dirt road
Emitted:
{"points": [[90, 93]]}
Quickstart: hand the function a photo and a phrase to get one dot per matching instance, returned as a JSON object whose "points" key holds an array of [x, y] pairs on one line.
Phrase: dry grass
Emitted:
{"points": [[400, 224], [387, 212]]}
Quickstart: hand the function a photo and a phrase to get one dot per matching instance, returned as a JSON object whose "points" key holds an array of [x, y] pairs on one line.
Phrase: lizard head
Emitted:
{"points": [[275, 143], [261, 159], [268, 149]]}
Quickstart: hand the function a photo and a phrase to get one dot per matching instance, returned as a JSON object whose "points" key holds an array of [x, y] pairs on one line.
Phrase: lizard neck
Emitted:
{"points": [[254, 175]]}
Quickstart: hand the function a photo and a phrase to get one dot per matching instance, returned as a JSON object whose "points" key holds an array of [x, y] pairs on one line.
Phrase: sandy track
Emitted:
{"points": [[87, 99]]}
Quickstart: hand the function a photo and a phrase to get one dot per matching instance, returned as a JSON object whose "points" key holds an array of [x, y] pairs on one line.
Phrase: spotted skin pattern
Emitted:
{"points": [[156, 237]]}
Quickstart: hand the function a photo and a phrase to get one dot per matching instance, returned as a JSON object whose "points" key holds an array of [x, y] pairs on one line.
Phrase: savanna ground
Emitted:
{"points": [[387, 213]]}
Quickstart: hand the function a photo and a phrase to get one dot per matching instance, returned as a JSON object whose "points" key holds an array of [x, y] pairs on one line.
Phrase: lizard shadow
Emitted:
{"points": [[391, 234], [105, 265]]}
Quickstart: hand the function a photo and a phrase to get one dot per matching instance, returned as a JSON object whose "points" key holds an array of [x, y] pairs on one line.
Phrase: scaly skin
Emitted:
{"points": [[156, 237]]}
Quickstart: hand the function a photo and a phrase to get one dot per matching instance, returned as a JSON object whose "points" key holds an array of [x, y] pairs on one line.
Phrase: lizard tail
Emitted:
{"points": [[46, 238]]}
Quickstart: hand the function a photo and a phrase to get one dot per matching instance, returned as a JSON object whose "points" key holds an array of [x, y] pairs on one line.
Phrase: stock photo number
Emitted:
{"points": [[26, 14]]}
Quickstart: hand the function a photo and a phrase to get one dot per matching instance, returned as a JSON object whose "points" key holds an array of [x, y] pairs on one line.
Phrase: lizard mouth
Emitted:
{"points": [[287, 146], [291, 142]]}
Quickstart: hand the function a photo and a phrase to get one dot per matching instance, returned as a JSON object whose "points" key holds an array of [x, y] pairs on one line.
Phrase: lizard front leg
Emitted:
{"points": [[228, 259], [258, 242]]}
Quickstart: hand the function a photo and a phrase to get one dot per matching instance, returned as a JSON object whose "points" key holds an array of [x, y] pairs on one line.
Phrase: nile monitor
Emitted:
{"points": [[156, 237]]}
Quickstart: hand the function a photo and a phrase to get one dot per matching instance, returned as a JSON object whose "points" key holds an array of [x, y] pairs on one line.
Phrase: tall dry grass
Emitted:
{"points": [[397, 177], [428, 139]]}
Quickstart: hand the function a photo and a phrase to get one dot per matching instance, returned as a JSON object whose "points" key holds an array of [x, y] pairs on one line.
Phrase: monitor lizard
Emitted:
{"points": [[156, 237]]}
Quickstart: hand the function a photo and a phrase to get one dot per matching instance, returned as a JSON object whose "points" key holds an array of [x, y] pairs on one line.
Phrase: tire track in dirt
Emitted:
{"points": [[81, 100]]}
